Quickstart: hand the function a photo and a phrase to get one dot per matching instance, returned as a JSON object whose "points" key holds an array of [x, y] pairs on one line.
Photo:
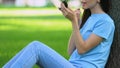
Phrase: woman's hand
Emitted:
{"points": [[78, 12], [68, 13]]}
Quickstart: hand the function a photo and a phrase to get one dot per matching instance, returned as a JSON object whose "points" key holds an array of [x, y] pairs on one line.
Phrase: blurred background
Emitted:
{"points": [[23, 21]]}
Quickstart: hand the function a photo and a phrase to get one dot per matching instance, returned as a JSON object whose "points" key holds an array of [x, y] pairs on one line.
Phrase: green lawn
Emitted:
{"points": [[16, 31]]}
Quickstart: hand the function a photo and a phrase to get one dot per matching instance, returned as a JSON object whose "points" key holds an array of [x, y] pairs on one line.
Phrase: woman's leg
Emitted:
{"points": [[25, 56], [13, 59], [41, 54]]}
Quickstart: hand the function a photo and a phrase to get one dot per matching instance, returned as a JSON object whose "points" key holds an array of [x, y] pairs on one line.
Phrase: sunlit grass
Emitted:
{"points": [[34, 24]]}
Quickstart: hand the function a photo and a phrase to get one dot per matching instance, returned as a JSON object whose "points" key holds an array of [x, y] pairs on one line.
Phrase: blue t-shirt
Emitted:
{"points": [[103, 26]]}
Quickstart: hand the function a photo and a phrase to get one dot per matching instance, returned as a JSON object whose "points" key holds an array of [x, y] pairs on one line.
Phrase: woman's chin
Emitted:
{"points": [[84, 8]]}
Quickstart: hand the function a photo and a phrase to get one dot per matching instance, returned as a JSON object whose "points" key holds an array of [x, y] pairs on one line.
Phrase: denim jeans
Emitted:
{"points": [[40, 54]]}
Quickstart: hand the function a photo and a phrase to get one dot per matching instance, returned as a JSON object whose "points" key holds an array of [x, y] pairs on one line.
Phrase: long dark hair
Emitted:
{"points": [[105, 5]]}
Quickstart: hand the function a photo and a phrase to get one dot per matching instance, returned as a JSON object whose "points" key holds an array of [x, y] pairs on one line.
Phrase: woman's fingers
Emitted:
{"points": [[63, 6], [77, 12], [64, 9], [67, 12], [70, 10]]}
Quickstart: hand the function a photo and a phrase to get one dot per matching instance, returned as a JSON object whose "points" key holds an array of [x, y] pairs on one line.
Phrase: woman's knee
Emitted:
{"points": [[36, 44], [32, 44]]}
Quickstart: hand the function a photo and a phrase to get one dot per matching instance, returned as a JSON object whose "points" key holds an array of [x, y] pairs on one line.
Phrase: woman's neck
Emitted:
{"points": [[96, 10]]}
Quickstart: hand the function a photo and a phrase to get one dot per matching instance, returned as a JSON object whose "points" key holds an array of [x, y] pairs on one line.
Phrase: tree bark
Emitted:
{"points": [[114, 58]]}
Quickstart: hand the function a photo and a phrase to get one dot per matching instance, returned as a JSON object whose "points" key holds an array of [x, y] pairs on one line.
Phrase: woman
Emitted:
{"points": [[89, 44]]}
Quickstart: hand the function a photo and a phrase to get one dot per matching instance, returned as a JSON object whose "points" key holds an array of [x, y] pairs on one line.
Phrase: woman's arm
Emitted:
{"points": [[81, 45], [71, 45], [84, 45]]}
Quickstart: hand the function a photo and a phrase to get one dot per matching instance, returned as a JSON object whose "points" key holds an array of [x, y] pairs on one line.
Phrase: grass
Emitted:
{"points": [[16, 31]]}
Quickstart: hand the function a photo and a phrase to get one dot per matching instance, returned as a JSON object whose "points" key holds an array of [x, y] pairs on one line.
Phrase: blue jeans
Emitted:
{"points": [[40, 54]]}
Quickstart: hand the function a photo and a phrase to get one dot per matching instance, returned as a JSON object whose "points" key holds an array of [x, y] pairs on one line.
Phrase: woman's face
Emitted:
{"points": [[89, 4]]}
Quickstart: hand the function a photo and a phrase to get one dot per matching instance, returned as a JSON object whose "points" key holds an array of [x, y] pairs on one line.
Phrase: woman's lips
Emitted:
{"points": [[83, 4]]}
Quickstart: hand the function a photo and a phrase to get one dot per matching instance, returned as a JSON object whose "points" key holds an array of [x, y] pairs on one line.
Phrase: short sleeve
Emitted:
{"points": [[103, 29]]}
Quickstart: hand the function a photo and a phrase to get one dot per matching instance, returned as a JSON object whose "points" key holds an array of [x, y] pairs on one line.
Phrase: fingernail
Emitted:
{"points": [[59, 8]]}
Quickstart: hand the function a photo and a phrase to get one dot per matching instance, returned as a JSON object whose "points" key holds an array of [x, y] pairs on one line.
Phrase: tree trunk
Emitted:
{"points": [[114, 59]]}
